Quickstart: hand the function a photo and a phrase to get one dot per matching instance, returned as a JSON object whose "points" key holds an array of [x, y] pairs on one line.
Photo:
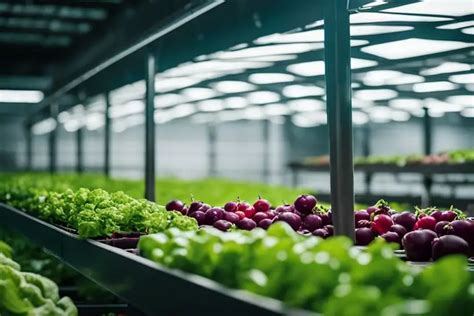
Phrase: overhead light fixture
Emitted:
{"points": [[375, 94], [21, 96], [272, 58], [363, 30], [232, 86], [276, 109], [468, 31], [296, 37], [301, 91], [254, 113], [269, 50], [132, 107], [418, 47], [375, 17], [440, 106], [446, 67], [406, 104], [316, 68], [263, 97], [170, 84], [379, 114], [212, 105], [94, 121], [212, 66], [468, 112], [268, 78], [434, 86], [309, 119], [400, 116], [235, 102], [436, 7], [359, 118], [462, 78], [45, 126], [465, 100], [306, 105], [457, 25], [195, 94], [168, 99]]}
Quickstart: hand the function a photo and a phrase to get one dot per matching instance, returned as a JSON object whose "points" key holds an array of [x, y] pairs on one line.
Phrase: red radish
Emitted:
{"points": [[361, 215], [406, 219], [372, 209], [230, 206], [199, 216], [463, 229], [381, 224], [363, 223], [363, 236], [194, 206], [448, 216], [312, 222], [440, 228], [305, 203], [204, 207], [250, 212], [242, 206], [231, 217], [264, 223], [417, 244], [449, 245], [270, 214], [399, 229], [426, 222], [259, 216], [223, 225], [291, 218], [330, 229], [261, 205], [284, 208], [246, 223], [437, 215], [213, 215], [175, 205], [240, 214], [321, 232], [392, 237], [325, 218]]}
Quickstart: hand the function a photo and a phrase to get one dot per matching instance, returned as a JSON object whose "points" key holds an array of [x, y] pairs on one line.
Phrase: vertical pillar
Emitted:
{"points": [[150, 126], [366, 135], [52, 139], [427, 144], [266, 151], [29, 146], [107, 136], [339, 110], [212, 152], [79, 150]]}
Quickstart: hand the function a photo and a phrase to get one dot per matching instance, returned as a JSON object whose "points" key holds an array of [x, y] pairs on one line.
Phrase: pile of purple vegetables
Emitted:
{"points": [[424, 235]]}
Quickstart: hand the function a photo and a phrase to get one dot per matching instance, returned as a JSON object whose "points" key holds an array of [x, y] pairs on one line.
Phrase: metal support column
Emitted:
{"points": [[366, 135], [339, 110], [29, 146], [427, 144], [79, 150], [107, 136], [266, 151], [52, 139], [212, 141], [150, 126]]}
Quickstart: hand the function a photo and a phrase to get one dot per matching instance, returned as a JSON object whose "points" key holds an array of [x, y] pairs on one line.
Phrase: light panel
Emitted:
{"points": [[434, 86], [301, 91], [21, 96], [268, 78], [316, 68], [375, 94], [446, 67], [462, 78], [437, 7], [263, 97], [232, 86], [374, 17]]}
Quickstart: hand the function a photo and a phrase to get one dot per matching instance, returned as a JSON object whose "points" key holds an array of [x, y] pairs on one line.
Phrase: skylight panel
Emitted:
{"points": [[268, 78], [446, 67], [462, 78], [374, 17], [301, 91], [457, 25], [375, 94], [21, 96], [437, 7], [434, 86], [360, 30], [316, 68]]}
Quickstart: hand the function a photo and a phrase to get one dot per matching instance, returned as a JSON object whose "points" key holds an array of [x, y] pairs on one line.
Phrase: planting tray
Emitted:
{"points": [[144, 285]]}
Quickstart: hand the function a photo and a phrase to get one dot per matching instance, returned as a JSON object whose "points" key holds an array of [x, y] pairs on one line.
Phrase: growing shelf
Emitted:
{"points": [[147, 287]]}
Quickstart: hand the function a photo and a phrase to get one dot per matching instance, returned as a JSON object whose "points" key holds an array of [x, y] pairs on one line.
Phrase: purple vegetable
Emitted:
{"points": [[259, 216], [437, 215], [204, 207], [195, 205], [291, 218], [361, 215], [363, 223], [174, 205], [449, 245], [448, 216], [392, 237], [230, 207], [246, 223], [399, 229], [284, 208], [271, 214], [363, 236], [325, 217], [231, 217], [406, 219], [312, 222], [440, 228], [265, 223], [213, 215], [321, 232], [199, 216], [330, 229], [223, 225], [305, 203], [417, 244]]}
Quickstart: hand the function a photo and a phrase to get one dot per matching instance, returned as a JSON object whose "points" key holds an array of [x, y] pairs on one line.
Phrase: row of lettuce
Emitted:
{"points": [[26, 293], [327, 276]]}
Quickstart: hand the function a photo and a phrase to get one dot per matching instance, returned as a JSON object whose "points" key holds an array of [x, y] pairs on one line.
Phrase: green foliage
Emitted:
{"points": [[25, 293], [326, 276]]}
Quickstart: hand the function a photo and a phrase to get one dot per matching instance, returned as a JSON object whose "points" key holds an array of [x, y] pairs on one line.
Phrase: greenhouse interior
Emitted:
{"points": [[239, 157]]}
